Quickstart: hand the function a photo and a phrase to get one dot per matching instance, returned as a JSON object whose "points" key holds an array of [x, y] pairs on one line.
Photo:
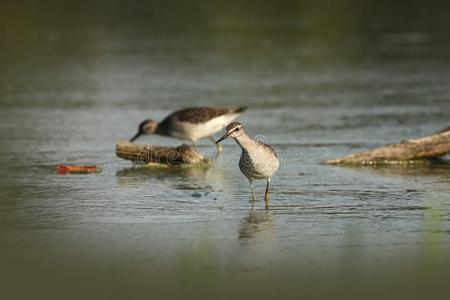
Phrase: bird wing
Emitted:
{"points": [[268, 147], [197, 115]]}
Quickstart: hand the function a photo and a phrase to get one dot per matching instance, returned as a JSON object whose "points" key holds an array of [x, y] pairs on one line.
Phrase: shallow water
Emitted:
{"points": [[68, 93]]}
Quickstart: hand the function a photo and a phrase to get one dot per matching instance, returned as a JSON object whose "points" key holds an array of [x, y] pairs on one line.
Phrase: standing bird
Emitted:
{"points": [[191, 123], [258, 160]]}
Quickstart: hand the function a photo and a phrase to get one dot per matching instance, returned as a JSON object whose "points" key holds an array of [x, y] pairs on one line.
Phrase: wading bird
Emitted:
{"points": [[191, 123], [258, 160]]}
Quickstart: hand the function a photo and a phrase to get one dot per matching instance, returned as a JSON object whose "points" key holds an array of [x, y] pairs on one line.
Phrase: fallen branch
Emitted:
{"points": [[409, 151], [172, 156]]}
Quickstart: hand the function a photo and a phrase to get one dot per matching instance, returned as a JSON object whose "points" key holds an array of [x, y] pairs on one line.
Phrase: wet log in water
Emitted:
{"points": [[172, 156], [409, 151]]}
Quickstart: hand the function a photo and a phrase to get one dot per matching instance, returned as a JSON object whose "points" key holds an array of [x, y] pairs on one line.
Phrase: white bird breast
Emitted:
{"points": [[194, 132]]}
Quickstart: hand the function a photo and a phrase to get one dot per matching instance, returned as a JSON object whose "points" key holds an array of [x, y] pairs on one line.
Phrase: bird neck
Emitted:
{"points": [[159, 130], [245, 141]]}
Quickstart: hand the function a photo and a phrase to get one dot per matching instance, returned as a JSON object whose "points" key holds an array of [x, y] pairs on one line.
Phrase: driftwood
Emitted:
{"points": [[409, 151], [171, 156]]}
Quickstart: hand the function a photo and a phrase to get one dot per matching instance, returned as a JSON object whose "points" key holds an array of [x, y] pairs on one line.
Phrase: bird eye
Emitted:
{"points": [[237, 129]]}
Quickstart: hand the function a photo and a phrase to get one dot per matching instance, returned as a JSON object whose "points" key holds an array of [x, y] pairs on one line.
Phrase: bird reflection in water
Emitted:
{"points": [[258, 240], [255, 223], [129, 176]]}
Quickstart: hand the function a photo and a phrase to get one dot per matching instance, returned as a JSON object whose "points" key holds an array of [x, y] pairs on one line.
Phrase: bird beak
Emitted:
{"points": [[136, 136], [222, 138]]}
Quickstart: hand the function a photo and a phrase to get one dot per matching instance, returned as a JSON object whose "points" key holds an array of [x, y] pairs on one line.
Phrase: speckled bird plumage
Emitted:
{"points": [[258, 160]]}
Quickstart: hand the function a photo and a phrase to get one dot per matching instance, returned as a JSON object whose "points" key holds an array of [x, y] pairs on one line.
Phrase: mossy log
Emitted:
{"points": [[171, 156], [408, 151]]}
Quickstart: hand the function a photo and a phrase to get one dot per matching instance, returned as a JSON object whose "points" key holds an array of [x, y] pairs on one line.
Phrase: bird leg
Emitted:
{"points": [[266, 196], [194, 145], [218, 146], [253, 192]]}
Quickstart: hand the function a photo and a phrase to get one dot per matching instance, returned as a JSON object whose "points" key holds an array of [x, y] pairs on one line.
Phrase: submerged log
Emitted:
{"points": [[409, 151], [171, 156]]}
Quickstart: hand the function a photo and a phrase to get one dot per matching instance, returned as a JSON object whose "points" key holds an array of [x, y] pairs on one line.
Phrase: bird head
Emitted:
{"points": [[234, 130], [146, 127]]}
